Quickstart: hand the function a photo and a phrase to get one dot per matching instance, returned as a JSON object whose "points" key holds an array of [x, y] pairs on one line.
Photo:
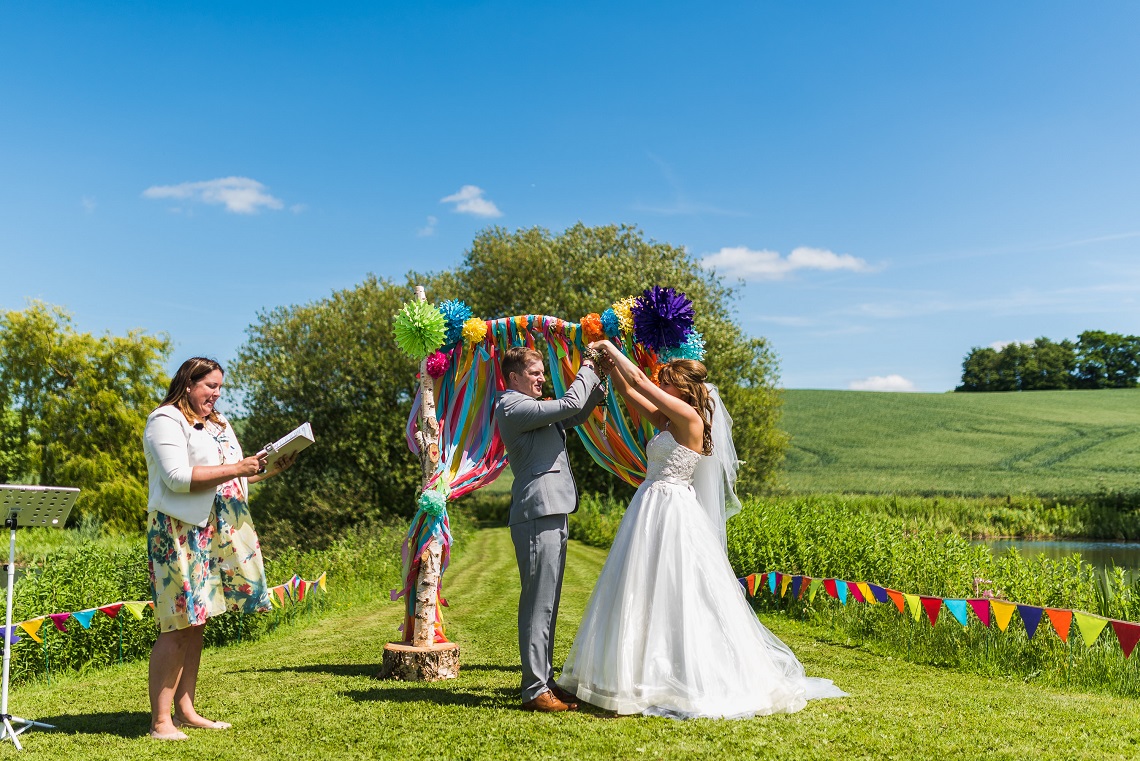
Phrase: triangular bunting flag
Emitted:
{"points": [[136, 608], [13, 638], [1003, 611], [814, 588], [865, 590], [831, 588], [785, 580], [1090, 626], [1127, 634], [856, 591], [761, 581], [958, 609], [58, 619], [743, 582], [111, 610], [772, 581], [1062, 621], [981, 610], [279, 593], [33, 628], [1031, 615], [914, 604], [897, 598], [750, 578], [879, 593], [84, 617], [797, 585], [321, 581], [841, 590], [302, 585], [932, 606]]}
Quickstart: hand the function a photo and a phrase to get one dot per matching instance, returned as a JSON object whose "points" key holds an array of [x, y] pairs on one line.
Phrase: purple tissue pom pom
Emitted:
{"points": [[662, 318]]}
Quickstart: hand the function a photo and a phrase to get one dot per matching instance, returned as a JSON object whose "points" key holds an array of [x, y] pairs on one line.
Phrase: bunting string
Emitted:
{"points": [[293, 589], [987, 611]]}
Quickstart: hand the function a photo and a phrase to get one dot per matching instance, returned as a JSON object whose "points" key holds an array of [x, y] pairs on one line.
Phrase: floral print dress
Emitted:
{"points": [[197, 572]]}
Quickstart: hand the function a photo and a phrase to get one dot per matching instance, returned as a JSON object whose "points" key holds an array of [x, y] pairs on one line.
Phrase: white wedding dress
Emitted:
{"points": [[667, 630]]}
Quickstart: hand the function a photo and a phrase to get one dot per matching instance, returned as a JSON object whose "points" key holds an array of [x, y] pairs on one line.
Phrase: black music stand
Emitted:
{"points": [[26, 506]]}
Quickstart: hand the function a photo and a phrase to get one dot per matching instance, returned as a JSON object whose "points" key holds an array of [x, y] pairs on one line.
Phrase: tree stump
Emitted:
{"points": [[408, 663]]}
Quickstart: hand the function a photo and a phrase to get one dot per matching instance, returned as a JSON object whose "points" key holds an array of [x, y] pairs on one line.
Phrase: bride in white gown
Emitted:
{"points": [[667, 630]]}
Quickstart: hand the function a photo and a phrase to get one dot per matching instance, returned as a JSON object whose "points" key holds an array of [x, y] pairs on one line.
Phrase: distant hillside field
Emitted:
{"points": [[1049, 443]]}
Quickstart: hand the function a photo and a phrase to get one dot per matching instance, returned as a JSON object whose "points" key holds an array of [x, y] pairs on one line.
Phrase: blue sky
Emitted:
{"points": [[893, 182]]}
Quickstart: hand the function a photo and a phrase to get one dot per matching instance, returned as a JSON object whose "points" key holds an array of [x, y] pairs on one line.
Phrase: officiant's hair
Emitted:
{"points": [[192, 371], [515, 360], [688, 376]]}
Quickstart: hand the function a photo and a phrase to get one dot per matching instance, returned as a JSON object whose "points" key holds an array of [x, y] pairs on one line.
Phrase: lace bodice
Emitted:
{"points": [[669, 461]]}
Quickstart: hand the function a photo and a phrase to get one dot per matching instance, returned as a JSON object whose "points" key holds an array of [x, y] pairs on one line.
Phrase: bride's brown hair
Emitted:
{"points": [[688, 377]]}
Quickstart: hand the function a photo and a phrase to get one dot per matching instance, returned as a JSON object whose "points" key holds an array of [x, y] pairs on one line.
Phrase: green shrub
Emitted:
{"points": [[825, 538], [77, 575]]}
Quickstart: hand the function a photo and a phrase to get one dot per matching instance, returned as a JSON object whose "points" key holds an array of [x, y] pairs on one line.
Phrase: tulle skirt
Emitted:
{"points": [[668, 631]]}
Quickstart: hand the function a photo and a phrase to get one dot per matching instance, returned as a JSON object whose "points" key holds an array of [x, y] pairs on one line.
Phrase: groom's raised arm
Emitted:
{"points": [[523, 414]]}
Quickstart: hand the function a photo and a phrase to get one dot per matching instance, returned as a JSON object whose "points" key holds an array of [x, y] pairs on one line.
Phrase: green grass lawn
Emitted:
{"points": [[1041, 442], [307, 692]]}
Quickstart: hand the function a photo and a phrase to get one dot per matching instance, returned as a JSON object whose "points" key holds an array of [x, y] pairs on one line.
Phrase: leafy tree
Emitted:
{"points": [[335, 363], [1052, 366], [1097, 360], [74, 407], [979, 370], [1107, 360], [585, 269]]}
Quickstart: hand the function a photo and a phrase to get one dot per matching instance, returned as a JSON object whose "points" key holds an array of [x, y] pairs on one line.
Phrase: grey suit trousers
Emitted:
{"points": [[540, 549]]}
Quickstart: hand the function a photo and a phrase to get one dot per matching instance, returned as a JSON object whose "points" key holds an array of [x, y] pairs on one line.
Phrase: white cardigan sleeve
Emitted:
{"points": [[168, 441]]}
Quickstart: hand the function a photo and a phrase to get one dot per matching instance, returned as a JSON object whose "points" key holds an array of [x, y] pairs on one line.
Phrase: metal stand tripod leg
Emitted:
{"points": [[8, 733]]}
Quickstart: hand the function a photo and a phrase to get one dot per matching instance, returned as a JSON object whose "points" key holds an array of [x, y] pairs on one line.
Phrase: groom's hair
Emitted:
{"points": [[516, 359]]}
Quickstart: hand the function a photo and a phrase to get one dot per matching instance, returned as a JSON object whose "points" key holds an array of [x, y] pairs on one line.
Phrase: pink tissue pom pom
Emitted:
{"points": [[437, 364]]}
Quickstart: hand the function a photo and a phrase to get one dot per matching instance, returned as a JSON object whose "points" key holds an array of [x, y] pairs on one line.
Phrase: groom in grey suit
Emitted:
{"points": [[543, 494]]}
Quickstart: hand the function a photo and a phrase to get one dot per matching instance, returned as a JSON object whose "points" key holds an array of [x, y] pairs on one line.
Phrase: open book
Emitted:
{"points": [[294, 441]]}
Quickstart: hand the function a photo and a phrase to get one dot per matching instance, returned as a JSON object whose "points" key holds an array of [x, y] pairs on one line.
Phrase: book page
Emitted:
{"points": [[294, 441]]}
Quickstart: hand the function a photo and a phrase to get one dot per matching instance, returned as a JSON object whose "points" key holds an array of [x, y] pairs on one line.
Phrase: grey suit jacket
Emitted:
{"points": [[534, 433]]}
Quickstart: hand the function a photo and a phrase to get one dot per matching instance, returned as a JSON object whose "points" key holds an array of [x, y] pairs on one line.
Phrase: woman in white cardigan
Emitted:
{"points": [[204, 554]]}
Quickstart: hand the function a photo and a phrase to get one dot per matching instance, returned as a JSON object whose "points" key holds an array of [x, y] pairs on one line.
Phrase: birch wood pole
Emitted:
{"points": [[427, 585]]}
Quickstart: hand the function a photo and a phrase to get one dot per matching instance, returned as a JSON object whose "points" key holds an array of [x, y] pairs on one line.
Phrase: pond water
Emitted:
{"points": [[1100, 553]]}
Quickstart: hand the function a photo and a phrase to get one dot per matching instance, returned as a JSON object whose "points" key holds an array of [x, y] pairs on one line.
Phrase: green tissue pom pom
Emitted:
{"points": [[420, 329], [433, 503]]}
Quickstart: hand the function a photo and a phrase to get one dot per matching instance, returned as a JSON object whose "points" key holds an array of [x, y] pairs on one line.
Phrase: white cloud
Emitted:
{"points": [[891, 382], [999, 345], [299, 208], [429, 229], [240, 195], [470, 200], [745, 263], [88, 204]]}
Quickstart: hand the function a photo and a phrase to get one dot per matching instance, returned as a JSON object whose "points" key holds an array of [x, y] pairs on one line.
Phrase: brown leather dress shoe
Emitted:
{"points": [[569, 698], [545, 703]]}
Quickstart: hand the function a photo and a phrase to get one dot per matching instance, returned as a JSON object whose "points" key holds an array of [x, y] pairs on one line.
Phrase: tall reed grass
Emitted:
{"points": [[878, 540]]}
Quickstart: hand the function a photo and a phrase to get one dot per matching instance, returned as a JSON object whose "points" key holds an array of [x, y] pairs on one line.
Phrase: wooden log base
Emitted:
{"points": [[408, 663]]}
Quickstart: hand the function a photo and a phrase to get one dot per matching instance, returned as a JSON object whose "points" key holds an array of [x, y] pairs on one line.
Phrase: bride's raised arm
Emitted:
{"points": [[643, 395]]}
